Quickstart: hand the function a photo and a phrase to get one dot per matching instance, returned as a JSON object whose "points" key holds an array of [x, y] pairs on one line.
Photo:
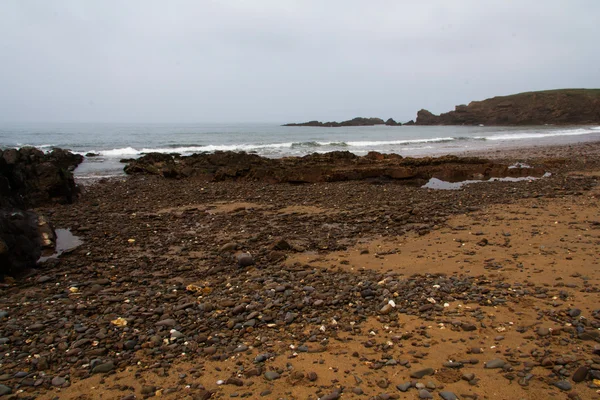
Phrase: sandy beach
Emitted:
{"points": [[190, 289]]}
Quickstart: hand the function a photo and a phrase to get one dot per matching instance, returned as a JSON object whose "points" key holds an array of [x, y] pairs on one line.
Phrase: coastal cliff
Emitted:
{"points": [[560, 107]]}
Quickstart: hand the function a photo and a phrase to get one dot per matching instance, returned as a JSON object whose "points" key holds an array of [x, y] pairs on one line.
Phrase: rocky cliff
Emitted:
{"points": [[560, 107]]}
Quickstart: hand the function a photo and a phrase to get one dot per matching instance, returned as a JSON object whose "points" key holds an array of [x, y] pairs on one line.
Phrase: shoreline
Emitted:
{"points": [[327, 260]]}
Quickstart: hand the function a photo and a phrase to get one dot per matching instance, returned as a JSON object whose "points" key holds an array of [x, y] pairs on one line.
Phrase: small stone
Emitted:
{"points": [[563, 385], [424, 394], [245, 260], [357, 391], [580, 374], [272, 375], [5, 390], [403, 387], [386, 309], [167, 322], [234, 381], [574, 312], [331, 396], [312, 376], [422, 372], [148, 389], [468, 327], [102, 368], [448, 396], [228, 248], [496, 363], [58, 381], [542, 331]]}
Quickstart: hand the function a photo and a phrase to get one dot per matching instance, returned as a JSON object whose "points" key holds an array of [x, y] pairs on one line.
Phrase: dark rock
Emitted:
{"points": [[424, 394], [422, 372], [448, 395], [496, 363], [563, 385], [102, 368], [245, 260], [4, 390], [580, 374], [271, 375], [58, 381], [403, 387], [353, 122], [30, 178]]}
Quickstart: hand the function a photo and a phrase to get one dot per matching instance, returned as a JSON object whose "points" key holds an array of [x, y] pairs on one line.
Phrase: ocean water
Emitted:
{"points": [[113, 142]]}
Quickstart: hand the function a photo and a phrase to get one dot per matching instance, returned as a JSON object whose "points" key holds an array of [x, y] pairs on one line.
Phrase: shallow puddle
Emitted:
{"points": [[65, 241], [438, 184]]}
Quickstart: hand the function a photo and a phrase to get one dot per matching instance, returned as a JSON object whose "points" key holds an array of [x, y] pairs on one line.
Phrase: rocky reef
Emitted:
{"points": [[560, 107], [31, 178], [353, 122], [329, 167]]}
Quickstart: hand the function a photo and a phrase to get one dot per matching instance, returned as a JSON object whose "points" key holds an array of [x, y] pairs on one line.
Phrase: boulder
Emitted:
{"points": [[29, 177], [21, 239]]}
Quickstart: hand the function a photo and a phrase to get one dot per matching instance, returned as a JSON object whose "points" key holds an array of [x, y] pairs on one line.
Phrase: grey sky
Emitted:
{"points": [[284, 61]]}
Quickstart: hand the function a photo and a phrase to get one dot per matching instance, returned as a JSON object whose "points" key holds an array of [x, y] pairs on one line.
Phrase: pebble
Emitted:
{"points": [[105, 367], [422, 372], [403, 387], [424, 394], [563, 385], [331, 396], [58, 381], [5, 390], [245, 260], [542, 331], [357, 391], [448, 396], [271, 375], [580, 374], [574, 312], [496, 363]]}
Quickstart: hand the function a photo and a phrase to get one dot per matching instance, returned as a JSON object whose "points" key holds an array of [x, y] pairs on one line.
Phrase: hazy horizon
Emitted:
{"points": [[184, 62]]}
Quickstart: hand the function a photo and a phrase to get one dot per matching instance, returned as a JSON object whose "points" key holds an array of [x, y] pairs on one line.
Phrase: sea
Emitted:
{"points": [[113, 142]]}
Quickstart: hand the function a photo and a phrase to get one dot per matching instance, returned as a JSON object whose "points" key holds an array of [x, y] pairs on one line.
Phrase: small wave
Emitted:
{"points": [[400, 142], [595, 128], [127, 151], [318, 144], [526, 135]]}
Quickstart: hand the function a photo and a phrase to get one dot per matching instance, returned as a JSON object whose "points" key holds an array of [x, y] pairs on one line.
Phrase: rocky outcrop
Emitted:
{"points": [[353, 122], [29, 177], [328, 167], [560, 107]]}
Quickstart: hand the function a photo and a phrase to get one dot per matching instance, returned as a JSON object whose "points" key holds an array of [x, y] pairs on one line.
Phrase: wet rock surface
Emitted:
{"points": [[336, 166], [157, 292], [30, 177]]}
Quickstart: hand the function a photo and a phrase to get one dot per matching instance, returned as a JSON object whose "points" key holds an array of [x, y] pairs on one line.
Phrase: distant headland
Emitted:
{"points": [[549, 107], [352, 122]]}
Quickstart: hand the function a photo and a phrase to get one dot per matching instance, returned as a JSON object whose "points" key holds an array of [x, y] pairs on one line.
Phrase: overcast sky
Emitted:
{"points": [[283, 61]]}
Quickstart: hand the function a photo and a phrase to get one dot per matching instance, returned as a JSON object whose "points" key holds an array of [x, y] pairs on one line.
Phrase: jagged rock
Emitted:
{"points": [[30, 178], [328, 167]]}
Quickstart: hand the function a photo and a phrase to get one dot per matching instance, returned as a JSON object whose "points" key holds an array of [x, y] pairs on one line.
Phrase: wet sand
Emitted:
{"points": [[354, 287]]}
